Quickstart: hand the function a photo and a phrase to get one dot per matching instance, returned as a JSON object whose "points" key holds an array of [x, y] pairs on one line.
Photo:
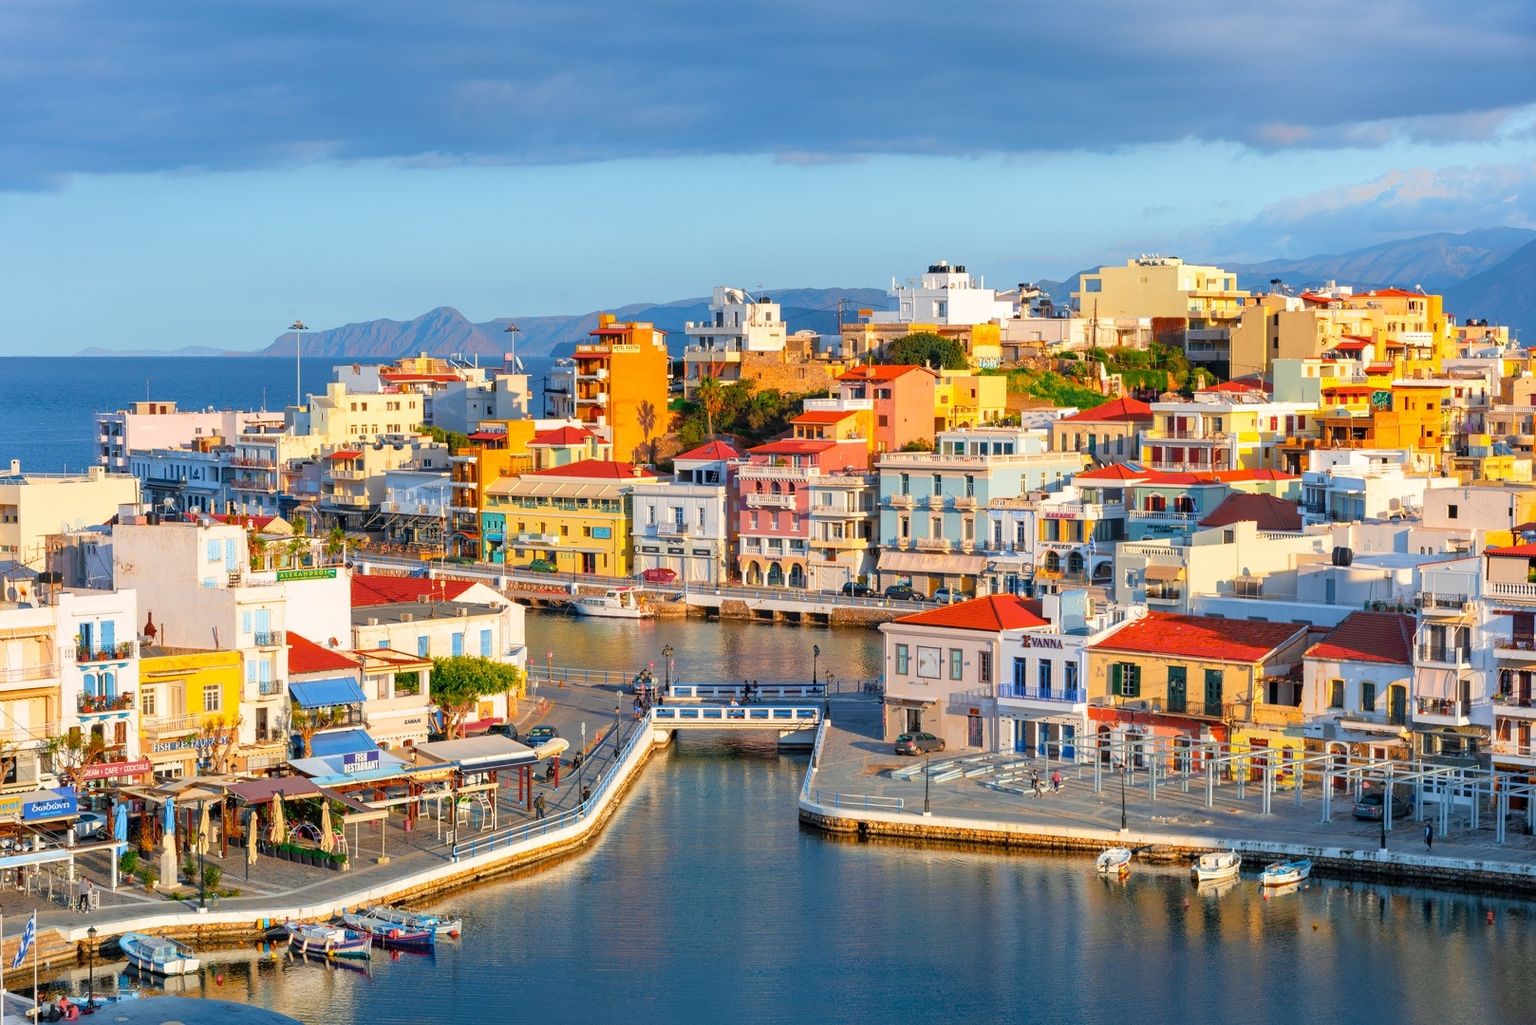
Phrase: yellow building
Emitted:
{"points": [[1161, 287], [1224, 431], [570, 519], [966, 399], [32, 505], [863, 340], [619, 386], [189, 709]]}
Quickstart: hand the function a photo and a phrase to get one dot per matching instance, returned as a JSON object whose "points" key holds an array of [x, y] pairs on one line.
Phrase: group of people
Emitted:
{"points": [[1038, 785]]}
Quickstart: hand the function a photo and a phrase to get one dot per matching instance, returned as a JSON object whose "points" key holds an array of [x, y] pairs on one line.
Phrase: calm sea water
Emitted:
{"points": [[705, 901], [47, 402]]}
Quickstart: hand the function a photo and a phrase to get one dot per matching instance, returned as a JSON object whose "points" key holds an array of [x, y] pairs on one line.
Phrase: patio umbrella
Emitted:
{"points": [[120, 822], [279, 827], [170, 816], [203, 829], [250, 840], [327, 839]]}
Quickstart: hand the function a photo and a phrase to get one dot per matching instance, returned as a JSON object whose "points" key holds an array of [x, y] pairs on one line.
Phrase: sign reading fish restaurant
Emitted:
{"points": [[359, 761]]}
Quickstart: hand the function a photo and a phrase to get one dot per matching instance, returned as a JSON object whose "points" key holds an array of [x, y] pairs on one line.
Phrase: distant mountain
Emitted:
{"points": [[188, 350], [445, 331], [1503, 294], [1435, 261]]}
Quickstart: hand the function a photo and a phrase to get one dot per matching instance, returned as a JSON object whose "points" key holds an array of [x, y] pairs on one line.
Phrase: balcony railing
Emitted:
{"points": [[161, 725], [1445, 708], [1514, 749], [934, 544], [1524, 594], [1067, 695], [1159, 515], [1434, 602], [115, 653], [1187, 435], [1446, 654], [268, 688], [267, 638], [901, 501], [87, 704], [768, 500]]}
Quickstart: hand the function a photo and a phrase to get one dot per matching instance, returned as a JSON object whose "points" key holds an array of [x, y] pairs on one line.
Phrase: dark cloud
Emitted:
{"points": [[206, 84]]}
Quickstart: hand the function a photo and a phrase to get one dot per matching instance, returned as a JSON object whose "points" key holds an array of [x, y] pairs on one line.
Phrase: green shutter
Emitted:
{"points": [[1115, 677]]}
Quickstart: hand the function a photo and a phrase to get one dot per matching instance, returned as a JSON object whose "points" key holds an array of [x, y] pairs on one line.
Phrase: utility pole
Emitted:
{"points": [[298, 366]]}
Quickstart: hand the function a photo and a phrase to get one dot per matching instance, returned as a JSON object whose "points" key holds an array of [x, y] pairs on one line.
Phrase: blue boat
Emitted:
{"points": [[1282, 873], [391, 934]]}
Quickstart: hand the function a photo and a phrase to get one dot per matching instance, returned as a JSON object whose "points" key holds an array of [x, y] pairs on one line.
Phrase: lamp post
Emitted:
{"points": [[666, 653], [815, 654], [1123, 768], [298, 366], [581, 765], [202, 844], [927, 775], [90, 999]]}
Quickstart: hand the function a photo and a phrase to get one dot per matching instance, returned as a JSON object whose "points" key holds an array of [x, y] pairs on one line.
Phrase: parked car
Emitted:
{"points": [[1368, 807], [506, 729], [543, 566], [948, 595], [539, 735], [918, 743], [855, 590], [659, 575], [91, 825], [902, 592]]}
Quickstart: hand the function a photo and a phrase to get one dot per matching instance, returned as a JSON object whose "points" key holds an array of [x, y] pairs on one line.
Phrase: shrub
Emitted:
{"points": [[128, 864]]}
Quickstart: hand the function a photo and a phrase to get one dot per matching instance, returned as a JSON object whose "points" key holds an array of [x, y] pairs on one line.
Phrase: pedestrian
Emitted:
{"points": [[1034, 782], [538, 807], [1429, 836], [84, 901], [586, 794], [1056, 781]]}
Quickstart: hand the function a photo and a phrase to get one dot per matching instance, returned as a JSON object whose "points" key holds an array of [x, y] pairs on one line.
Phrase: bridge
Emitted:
{"points": [[796, 724]]}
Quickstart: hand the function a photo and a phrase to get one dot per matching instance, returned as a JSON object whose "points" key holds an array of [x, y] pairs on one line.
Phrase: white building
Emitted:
{"points": [[1454, 669], [684, 524], [151, 425], [1357, 683], [1347, 485], [99, 669], [34, 505], [946, 294]]}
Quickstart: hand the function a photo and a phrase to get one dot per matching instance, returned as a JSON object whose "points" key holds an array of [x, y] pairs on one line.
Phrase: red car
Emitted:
{"points": [[659, 575]]}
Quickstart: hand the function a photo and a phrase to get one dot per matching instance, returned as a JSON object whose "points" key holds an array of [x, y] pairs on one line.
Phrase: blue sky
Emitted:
{"points": [[191, 173]]}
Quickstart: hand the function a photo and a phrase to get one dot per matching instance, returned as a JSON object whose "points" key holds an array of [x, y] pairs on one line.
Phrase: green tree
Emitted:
{"points": [[645, 416], [709, 398], [335, 541], [459, 682], [918, 445], [453, 439], [306, 722], [924, 348]]}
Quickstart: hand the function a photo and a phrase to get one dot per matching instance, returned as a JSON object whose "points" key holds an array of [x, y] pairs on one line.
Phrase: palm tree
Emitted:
{"points": [[306, 723], [710, 397], [645, 415], [335, 541]]}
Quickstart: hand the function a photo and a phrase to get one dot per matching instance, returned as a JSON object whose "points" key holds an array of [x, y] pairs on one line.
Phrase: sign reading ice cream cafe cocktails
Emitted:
{"points": [[312, 573]]}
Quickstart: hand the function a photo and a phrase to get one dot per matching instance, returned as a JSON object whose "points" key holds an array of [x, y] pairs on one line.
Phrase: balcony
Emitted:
{"points": [[1514, 649], [900, 501], [1511, 594], [253, 462], [841, 543], [337, 474], [1514, 705], [1444, 654], [267, 638], [1164, 593], [270, 688], [1199, 437], [768, 500], [165, 726], [1160, 516], [527, 538], [1441, 712], [1437, 604], [252, 484], [1053, 698], [965, 501], [95, 656], [104, 704], [1513, 752], [934, 544]]}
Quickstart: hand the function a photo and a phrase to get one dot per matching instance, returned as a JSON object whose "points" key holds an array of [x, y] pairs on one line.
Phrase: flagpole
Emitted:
{"points": [[37, 999], [2, 971]]}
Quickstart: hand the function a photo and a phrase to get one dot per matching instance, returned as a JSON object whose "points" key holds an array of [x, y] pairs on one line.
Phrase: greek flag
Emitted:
{"points": [[27, 935]]}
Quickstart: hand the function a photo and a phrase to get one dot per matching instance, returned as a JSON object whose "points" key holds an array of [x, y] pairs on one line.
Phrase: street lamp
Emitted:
{"points": [[581, 765], [1124, 769], [298, 366], [202, 843], [927, 775], [666, 653], [815, 654], [90, 1000]]}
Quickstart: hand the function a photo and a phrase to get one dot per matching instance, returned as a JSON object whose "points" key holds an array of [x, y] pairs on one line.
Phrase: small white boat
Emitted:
{"points": [[329, 941], [1115, 861], [618, 603], [158, 954], [1283, 873], [446, 925], [1216, 865]]}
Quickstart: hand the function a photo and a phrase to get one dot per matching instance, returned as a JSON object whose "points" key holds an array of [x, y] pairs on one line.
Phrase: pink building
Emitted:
{"points": [[900, 401], [772, 509]]}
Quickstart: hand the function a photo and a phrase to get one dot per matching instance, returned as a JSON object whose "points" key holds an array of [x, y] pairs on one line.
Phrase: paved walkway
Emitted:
{"points": [[855, 761]]}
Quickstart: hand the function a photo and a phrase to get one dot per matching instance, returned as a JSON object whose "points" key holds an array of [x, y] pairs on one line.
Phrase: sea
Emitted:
{"points": [[47, 402]]}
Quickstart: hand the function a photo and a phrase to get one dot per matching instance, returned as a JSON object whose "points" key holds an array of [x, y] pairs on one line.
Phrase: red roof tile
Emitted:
{"points": [[1231, 475], [1115, 471], [1351, 345], [487, 436], [1269, 512], [368, 589], [243, 520], [305, 656], [1526, 551], [1235, 386], [1393, 293], [1228, 640], [713, 450], [402, 375], [792, 447], [562, 436], [1369, 637], [344, 453], [823, 416], [990, 614], [881, 372], [599, 469], [1113, 411]]}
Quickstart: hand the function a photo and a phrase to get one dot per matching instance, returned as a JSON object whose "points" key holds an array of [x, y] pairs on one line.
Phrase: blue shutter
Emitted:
{"points": [[213, 551], [485, 644], [458, 644], [85, 637], [231, 563], [423, 646], [245, 621], [108, 635], [263, 621]]}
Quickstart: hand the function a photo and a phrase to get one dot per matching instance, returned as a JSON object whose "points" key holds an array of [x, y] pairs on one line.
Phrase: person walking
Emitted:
{"points": [[1056, 781], [83, 901], [538, 807], [1034, 782], [1429, 836]]}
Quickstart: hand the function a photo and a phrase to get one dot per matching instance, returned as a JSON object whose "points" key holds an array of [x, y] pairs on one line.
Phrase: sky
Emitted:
{"points": [[181, 172]]}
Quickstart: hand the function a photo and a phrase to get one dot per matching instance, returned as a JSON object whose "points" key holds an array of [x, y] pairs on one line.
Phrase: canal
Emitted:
{"points": [[706, 902]]}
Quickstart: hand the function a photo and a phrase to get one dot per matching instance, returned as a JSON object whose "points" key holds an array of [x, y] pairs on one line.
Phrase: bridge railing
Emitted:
{"points": [[865, 801], [577, 674], [745, 715], [716, 691]]}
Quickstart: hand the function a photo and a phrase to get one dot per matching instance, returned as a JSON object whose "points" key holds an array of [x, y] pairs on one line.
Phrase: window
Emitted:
{"points": [[984, 666], [147, 702], [1335, 693], [1020, 671], [938, 484], [906, 484], [1043, 674], [929, 662], [901, 659], [1125, 679], [1450, 511], [458, 644], [1178, 690], [1071, 676], [956, 664], [485, 643], [422, 646], [1213, 689], [211, 697], [1367, 697]]}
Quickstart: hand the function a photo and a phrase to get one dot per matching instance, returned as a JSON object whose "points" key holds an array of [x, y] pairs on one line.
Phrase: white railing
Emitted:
{"points": [[865, 801], [1513, 592], [717, 691], [736, 715]]}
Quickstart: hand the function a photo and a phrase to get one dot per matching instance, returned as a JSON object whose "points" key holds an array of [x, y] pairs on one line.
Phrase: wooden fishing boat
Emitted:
{"points": [[391, 934], [1282, 873], [157, 954], [329, 941], [1216, 865], [444, 924]]}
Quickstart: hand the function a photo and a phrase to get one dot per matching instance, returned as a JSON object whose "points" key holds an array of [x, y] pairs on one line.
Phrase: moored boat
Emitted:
{"points": [[157, 954], [1115, 861], [445, 924], [1216, 865], [391, 934], [329, 941], [1282, 873], [616, 603]]}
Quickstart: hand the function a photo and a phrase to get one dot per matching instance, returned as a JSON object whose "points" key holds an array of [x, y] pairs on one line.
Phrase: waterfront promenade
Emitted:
{"points": [[851, 789]]}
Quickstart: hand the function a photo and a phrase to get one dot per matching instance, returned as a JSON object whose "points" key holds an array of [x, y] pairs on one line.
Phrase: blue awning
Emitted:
{"points": [[324, 693], [341, 742]]}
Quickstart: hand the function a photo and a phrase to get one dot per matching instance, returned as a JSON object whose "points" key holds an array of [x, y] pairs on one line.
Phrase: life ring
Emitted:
{"points": [[394, 934]]}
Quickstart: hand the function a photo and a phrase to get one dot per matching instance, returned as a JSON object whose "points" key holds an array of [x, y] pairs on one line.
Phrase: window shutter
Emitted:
{"points": [[1115, 677]]}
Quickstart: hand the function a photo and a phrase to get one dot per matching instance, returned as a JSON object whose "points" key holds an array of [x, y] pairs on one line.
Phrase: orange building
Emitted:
{"points": [[621, 382]]}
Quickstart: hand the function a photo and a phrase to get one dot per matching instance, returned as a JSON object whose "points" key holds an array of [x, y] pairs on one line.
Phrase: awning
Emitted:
{"points": [[891, 702], [341, 742], [340, 690], [927, 562], [261, 791], [476, 754], [1164, 572]]}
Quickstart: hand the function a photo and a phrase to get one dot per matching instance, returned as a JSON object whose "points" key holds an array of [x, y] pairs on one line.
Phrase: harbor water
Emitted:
{"points": [[705, 901]]}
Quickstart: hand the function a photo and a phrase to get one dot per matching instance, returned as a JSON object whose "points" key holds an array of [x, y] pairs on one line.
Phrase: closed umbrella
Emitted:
{"points": [[250, 840], [327, 839], [120, 822], [203, 829], [279, 827], [170, 816]]}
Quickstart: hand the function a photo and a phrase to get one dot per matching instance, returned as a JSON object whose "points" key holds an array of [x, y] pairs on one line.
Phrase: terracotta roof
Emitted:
{"points": [[990, 614], [562, 436], [1269, 512], [1352, 345], [243, 520], [1313, 297], [368, 589], [881, 372], [791, 447], [1229, 640], [713, 450], [1115, 471], [305, 656], [1378, 368], [404, 375], [823, 416], [1231, 475], [600, 469], [487, 436], [1235, 386], [1526, 551], [1369, 637], [344, 453], [1394, 293], [1111, 412]]}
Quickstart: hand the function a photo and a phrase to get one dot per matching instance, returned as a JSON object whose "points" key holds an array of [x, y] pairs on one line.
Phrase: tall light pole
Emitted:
{"points": [[581, 766], [511, 331], [815, 654], [666, 653], [298, 367], [1124, 767], [90, 1000]]}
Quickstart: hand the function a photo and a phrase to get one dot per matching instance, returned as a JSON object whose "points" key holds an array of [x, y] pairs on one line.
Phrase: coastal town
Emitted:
{"points": [[1162, 532]]}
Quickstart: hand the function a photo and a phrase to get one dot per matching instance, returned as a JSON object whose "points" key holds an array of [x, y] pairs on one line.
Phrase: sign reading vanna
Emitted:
{"points": [[312, 573], [57, 807], [359, 761]]}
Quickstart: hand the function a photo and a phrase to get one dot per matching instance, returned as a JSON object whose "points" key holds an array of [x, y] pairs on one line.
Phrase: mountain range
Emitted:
{"points": [[1486, 273]]}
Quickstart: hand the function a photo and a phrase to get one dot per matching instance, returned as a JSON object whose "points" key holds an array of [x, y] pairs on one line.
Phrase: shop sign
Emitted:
{"points": [[181, 744], [312, 573], [359, 761], [52, 808], [109, 770], [1042, 642], [1062, 514]]}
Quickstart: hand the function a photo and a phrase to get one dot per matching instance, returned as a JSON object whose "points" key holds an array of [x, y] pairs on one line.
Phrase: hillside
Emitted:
{"points": [[1435, 261], [1503, 294]]}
